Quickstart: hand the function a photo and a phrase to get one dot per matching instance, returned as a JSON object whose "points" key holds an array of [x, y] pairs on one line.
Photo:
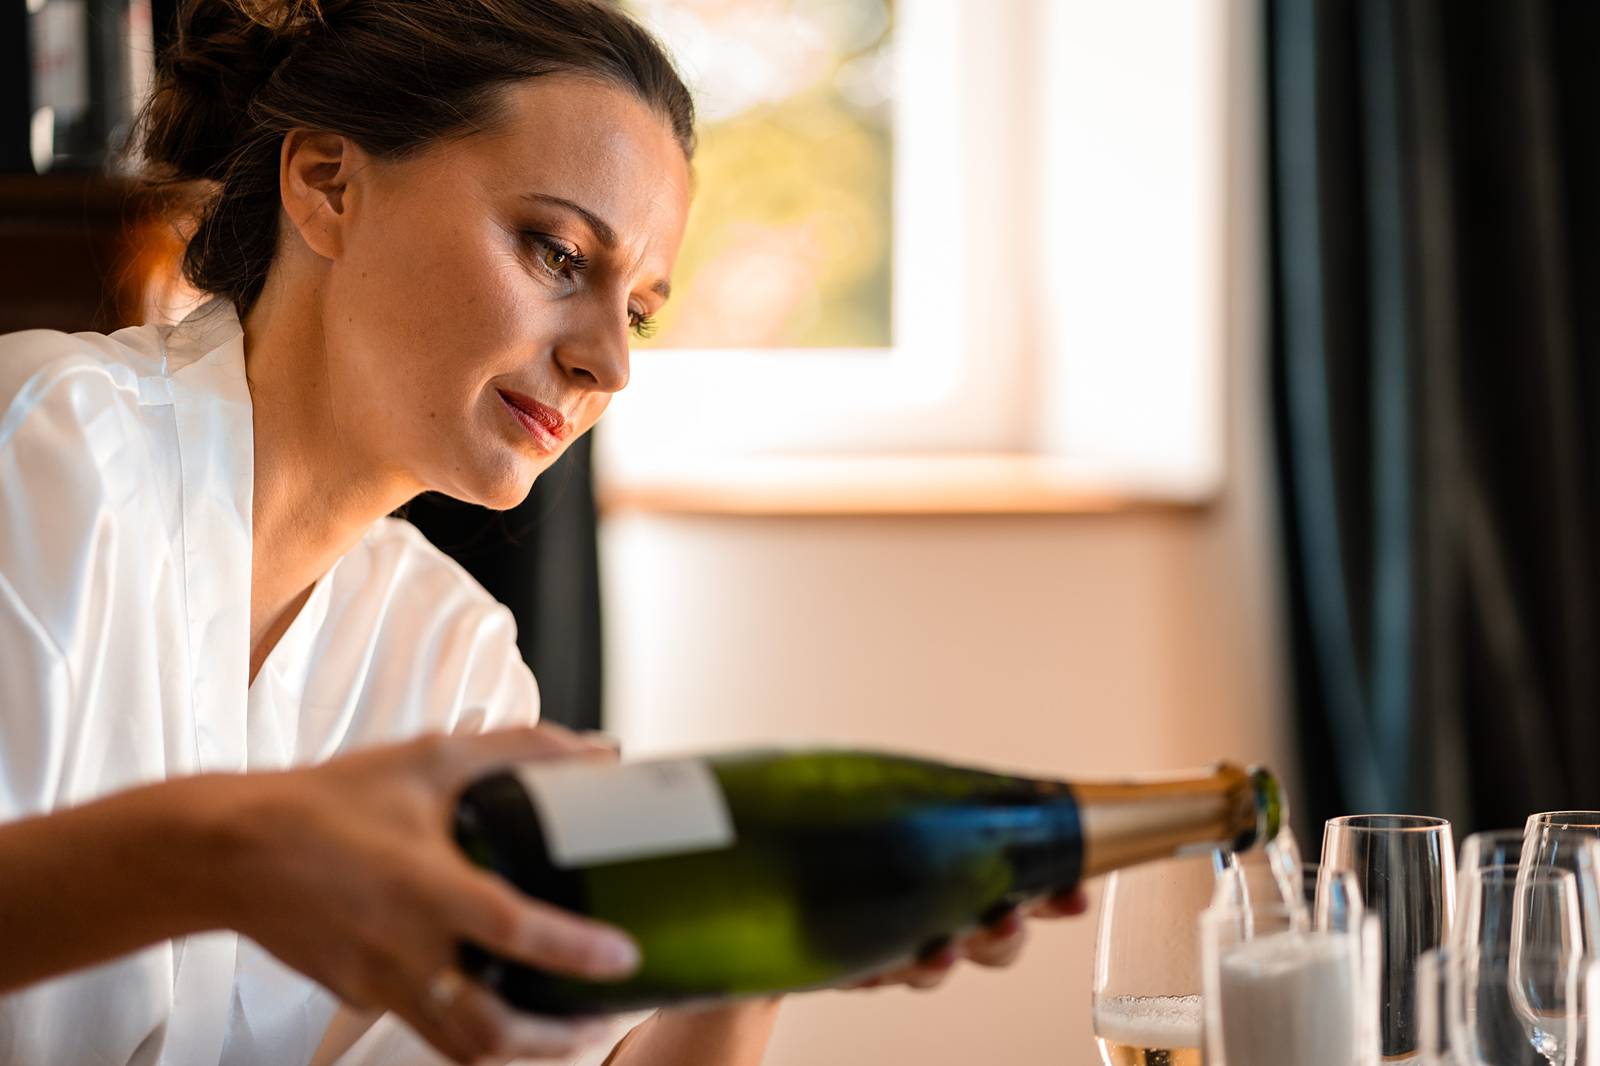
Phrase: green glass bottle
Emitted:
{"points": [[769, 871]]}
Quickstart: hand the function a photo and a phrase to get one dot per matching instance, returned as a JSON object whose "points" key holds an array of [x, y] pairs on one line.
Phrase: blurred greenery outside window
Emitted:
{"points": [[792, 230]]}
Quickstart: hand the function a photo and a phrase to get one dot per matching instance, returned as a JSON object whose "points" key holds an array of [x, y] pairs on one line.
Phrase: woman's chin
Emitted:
{"points": [[499, 489], [504, 496]]}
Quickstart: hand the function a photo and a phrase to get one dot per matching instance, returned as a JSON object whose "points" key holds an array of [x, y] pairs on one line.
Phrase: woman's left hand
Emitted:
{"points": [[995, 945]]}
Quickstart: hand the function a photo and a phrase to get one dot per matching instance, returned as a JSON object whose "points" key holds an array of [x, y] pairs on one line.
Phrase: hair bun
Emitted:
{"points": [[223, 53], [286, 18], [391, 76]]}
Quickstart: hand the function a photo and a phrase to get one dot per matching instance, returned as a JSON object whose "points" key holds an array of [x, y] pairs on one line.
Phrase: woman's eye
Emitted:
{"points": [[643, 325], [557, 259]]}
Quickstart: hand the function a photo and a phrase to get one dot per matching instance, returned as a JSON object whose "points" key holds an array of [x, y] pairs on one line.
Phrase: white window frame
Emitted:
{"points": [[1019, 124]]}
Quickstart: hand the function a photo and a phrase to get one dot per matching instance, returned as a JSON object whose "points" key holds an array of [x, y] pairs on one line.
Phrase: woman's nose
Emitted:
{"points": [[597, 356]]}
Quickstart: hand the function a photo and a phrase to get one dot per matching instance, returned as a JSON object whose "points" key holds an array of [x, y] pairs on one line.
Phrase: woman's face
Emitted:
{"points": [[479, 313]]}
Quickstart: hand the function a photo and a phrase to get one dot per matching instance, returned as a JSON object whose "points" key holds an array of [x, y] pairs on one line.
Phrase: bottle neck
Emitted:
{"points": [[1126, 824]]}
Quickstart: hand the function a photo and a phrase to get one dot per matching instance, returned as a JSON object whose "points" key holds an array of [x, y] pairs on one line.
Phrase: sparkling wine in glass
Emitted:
{"points": [[1147, 983]]}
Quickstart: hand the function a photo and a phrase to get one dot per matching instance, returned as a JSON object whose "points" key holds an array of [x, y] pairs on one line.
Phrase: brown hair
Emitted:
{"points": [[393, 75]]}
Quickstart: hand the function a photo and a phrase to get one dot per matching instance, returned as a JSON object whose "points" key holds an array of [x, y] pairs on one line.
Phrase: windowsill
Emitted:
{"points": [[933, 484]]}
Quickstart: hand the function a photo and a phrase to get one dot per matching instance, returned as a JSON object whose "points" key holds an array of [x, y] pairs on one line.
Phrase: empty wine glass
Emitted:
{"points": [[1501, 1012], [1491, 847], [1147, 960], [1501, 909], [1405, 865], [1568, 840], [1517, 914], [1591, 994]]}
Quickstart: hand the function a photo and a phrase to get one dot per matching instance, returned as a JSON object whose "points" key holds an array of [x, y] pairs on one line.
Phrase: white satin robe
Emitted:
{"points": [[125, 507]]}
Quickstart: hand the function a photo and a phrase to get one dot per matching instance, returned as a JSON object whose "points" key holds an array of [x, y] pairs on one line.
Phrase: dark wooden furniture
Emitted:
{"points": [[78, 251]]}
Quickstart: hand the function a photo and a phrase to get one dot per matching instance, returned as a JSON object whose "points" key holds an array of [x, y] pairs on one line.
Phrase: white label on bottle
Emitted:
{"points": [[593, 814]]}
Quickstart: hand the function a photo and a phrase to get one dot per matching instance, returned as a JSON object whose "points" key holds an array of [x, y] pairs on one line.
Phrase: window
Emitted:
{"points": [[792, 236], [1051, 260]]}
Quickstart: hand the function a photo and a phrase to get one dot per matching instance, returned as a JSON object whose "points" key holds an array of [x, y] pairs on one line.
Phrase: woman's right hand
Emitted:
{"points": [[346, 871]]}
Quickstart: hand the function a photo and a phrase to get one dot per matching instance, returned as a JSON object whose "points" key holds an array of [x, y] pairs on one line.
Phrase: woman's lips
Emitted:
{"points": [[544, 424]]}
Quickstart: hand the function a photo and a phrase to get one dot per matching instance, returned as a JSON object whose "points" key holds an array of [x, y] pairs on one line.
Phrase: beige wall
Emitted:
{"points": [[1071, 645]]}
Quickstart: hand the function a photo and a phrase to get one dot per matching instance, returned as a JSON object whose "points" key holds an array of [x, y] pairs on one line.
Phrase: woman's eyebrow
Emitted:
{"points": [[601, 228]]}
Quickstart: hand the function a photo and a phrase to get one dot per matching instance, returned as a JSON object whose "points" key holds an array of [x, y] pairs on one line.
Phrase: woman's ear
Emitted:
{"points": [[314, 173]]}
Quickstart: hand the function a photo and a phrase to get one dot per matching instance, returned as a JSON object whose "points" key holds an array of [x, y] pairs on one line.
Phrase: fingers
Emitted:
{"points": [[997, 944], [408, 997], [1062, 905], [497, 1032], [994, 946], [415, 975], [469, 1024], [930, 972], [494, 915], [458, 760], [600, 739]]}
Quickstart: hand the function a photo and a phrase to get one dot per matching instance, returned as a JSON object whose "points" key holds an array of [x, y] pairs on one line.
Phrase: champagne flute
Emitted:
{"points": [[1434, 1023], [1406, 868], [1147, 960]]}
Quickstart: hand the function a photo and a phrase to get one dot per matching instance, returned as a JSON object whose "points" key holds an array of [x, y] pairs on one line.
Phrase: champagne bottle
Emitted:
{"points": [[72, 75], [769, 871]]}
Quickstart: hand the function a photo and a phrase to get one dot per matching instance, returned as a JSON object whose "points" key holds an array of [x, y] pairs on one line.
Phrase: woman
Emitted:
{"points": [[239, 700]]}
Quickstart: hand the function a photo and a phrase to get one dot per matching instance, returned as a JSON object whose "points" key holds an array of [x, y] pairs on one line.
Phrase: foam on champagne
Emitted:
{"points": [[1291, 997], [1149, 1021]]}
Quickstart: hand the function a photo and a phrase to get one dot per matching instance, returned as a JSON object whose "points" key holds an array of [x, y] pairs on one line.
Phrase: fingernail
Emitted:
{"points": [[592, 1032], [604, 740], [1008, 925], [997, 913], [933, 950], [619, 956]]}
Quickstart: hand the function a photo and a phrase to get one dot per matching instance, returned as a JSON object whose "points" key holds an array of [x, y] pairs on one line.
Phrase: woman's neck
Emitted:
{"points": [[316, 493]]}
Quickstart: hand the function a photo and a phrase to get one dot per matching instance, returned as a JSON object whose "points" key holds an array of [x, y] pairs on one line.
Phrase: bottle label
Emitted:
{"points": [[593, 814]]}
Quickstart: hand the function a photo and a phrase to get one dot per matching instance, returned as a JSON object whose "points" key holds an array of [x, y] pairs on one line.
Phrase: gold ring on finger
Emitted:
{"points": [[444, 988]]}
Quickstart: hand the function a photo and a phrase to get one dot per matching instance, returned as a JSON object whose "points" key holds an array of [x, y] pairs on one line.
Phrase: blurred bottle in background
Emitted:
{"points": [[72, 74]]}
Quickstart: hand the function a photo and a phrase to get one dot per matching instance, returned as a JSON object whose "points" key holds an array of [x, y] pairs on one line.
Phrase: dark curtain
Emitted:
{"points": [[540, 559], [1436, 322]]}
